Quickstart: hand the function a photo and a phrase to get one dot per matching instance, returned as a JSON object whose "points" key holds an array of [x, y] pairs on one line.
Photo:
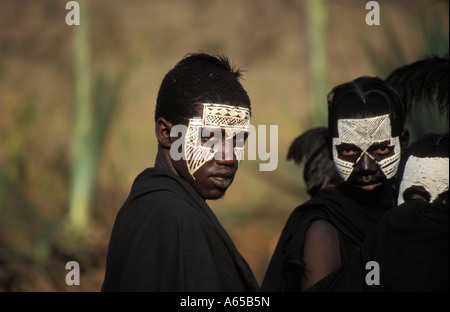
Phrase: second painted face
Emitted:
{"points": [[365, 147], [365, 152]]}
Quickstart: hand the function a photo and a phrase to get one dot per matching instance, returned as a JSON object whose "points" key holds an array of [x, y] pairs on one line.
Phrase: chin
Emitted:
{"points": [[214, 195]]}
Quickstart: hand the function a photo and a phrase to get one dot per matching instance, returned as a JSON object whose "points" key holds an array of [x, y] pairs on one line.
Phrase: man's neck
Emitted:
{"points": [[164, 161]]}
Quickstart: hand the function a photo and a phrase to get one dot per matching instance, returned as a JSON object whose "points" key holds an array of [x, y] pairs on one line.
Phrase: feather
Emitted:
{"points": [[423, 83], [311, 149]]}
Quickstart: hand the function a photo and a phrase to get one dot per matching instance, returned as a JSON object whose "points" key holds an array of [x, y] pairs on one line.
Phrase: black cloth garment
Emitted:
{"points": [[411, 246], [166, 238], [352, 211]]}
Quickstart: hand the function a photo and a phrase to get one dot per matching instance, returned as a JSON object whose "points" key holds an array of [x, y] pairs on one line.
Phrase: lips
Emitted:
{"points": [[222, 180], [368, 185]]}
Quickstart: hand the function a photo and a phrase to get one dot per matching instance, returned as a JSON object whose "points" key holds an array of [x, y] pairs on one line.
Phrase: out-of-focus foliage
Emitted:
{"points": [[431, 28], [133, 44]]}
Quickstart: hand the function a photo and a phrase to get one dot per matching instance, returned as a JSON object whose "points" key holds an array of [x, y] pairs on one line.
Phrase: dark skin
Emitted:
{"points": [[321, 251], [212, 179], [367, 174], [418, 192]]}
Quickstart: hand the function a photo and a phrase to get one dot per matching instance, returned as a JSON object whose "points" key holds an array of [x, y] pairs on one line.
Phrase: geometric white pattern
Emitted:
{"points": [[363, 133], [234, 120], [221, 115]]}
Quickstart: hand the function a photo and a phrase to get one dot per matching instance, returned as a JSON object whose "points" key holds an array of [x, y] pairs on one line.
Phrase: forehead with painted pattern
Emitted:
{"points": [[424, 178], [363, 98], [424, 170]]}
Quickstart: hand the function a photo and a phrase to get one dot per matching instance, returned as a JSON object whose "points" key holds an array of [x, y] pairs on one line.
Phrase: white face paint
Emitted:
{"points": [[429, 172], [363, 133], [216, 117]]}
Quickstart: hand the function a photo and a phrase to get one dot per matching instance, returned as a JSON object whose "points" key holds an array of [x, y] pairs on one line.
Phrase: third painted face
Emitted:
{"points": [[424, 178]]}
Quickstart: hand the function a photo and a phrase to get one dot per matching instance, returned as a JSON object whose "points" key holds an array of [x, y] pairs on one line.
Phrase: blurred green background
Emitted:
{"points": [[77, 104]]}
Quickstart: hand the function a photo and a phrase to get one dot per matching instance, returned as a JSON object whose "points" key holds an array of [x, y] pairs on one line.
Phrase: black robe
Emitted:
{"points": [[353, 219], [411, 246], [166, 238]]}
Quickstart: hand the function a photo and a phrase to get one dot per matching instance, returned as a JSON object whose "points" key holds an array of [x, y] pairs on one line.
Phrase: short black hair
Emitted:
{"points": [[199, 78], [365, 89]]}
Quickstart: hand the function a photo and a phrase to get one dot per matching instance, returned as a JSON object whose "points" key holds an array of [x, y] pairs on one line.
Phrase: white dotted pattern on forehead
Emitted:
{"points": [[221, 115], [429, 172], [365, 130]]}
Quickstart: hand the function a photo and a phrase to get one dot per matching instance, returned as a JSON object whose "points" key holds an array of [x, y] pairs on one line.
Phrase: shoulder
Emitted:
{"points": [[164, 206], [321, 252], [322, 231], [322, 240], [171, 205]]}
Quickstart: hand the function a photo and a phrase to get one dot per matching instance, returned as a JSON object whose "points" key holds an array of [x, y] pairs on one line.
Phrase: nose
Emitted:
{"points": [[225, 153], [366, 165]]}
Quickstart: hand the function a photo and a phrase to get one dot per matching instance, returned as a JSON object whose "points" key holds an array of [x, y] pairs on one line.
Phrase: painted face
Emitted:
{"points": [[203, 140], [425, 179], [214, 148], [365, 151]]}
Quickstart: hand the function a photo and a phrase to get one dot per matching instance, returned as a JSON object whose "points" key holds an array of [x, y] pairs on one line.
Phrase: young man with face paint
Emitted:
{"points": [[366, 136], [410, 242], [165, 237]]}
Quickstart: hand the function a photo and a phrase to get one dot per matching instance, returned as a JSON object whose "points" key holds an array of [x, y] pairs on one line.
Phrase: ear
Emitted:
{"points": [[162, 131], [404, 139]]}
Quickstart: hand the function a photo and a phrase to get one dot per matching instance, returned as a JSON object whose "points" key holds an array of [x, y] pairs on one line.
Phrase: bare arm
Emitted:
{"points": [[321, 253]]}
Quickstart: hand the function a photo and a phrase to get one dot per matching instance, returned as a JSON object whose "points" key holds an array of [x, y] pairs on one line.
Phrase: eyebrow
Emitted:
{"points": [[375, 145], [385, 142]]}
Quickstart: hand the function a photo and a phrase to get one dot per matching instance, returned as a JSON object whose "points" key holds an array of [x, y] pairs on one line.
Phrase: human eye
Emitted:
{"points": [[443, 197], [381, 149], [348, 151], [240, 138], [207, 138], [211, 135]]}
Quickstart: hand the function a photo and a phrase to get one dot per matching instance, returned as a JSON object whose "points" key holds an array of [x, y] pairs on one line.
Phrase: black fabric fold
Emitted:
{"points": [[411, 246], [352, 218], [166, 238]]}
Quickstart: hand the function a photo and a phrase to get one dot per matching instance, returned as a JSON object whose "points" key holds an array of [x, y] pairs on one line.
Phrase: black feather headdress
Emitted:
{"points": [[423, 83], [311, 148]]}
